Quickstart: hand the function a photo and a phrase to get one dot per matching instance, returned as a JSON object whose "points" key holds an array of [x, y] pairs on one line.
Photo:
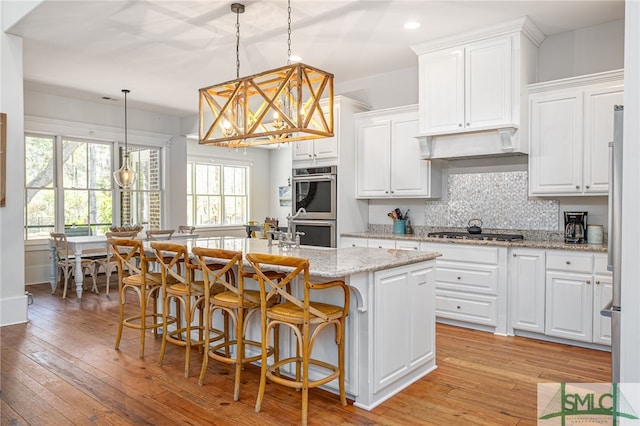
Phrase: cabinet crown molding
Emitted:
{"points": [[579, 81], [522, 25]]}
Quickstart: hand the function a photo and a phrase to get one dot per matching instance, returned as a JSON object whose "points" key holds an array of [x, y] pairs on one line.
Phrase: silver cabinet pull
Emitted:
{"points": [[588, 281], [568, 262]]}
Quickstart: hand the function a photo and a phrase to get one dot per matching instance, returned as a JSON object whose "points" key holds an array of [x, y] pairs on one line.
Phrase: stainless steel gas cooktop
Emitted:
{"points": [[481, 236]]}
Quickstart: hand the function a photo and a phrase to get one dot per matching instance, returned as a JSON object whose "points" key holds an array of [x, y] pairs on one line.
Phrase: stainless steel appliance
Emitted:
{"points": [[315, 190], [575, 227], [613, 309], [320, 233]]}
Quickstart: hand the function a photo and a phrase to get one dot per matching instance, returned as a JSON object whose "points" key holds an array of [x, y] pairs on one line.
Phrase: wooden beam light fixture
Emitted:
{"points": [[275, 106]]}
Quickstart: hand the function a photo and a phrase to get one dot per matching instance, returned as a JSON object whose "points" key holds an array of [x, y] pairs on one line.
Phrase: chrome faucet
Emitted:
{"points": [[288, 238]]}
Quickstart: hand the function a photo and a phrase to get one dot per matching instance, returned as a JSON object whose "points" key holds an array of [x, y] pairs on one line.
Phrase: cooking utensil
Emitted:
{"points": [[398, 213], [475, 226]]}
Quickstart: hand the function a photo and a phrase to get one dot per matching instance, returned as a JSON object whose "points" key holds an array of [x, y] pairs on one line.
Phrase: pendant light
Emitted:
{"points": [[272, 107], [125, 177]]}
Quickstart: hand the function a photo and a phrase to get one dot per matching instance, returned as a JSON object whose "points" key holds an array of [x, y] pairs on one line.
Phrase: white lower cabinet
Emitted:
{"points": [[468, 285], [353, 242], [527, 289], [381, 243], [575, 288], [404, 323]]}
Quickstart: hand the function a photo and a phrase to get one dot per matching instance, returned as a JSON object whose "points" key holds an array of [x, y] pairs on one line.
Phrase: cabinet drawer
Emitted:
{"points": [[570, 262], [380, 243], [469, 308], [461, 253], [472, 278]]}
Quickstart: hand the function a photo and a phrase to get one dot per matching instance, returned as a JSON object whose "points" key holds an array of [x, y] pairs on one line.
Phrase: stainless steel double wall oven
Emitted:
{"points": [[315, 190]]}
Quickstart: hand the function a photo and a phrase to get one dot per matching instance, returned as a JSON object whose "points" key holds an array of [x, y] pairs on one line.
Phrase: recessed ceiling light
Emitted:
{"points": [[412, 25]]}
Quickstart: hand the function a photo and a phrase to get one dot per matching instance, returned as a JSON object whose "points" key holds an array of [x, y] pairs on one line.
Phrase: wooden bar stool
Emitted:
{"points": [[187, 294], [234, 303], [130, 255], [306, 319]]}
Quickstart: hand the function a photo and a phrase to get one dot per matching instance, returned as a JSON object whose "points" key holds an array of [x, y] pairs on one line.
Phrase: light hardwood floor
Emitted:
{"points": [[61, 369]]}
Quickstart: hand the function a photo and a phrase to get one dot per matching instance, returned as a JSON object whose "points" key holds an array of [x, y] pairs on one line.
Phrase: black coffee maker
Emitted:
{"points": [[575, 227]]}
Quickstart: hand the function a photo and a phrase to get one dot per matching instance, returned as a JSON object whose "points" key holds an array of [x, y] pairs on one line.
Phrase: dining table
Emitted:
{"points": [[82, 244]]}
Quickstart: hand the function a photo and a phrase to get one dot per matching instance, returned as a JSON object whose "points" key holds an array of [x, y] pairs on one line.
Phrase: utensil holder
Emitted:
{"points": [[399, 226]]}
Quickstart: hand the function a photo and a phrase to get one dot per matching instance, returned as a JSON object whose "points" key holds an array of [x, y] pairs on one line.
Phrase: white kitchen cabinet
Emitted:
{"points": [[327, 151], [467, 87], [527, 289], [353, 242], [571, 125], [407, 245], [470, 285], [573, 299], [388, 162], [381, 243], [472, 99], [404, 323]]}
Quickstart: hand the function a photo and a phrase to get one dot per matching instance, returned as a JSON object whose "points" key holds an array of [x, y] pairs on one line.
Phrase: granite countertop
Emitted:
{"points": [[324, 262], [549, 245]]}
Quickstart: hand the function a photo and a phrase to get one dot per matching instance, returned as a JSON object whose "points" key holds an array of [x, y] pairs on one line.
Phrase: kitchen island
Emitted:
{"points": [[390, 330]]}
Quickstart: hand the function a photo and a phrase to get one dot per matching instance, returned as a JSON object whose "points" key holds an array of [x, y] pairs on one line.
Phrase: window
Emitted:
{"points": [[68, 187], [142, 204], [40, 195], [216, 194], [86, 187]]}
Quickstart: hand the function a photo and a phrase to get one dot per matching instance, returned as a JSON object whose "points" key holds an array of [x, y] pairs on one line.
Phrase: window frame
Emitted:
{"points": [[192, 195]]}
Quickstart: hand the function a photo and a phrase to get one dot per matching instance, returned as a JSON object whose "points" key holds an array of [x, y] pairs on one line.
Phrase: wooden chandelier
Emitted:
{"points": [[276, 106]]}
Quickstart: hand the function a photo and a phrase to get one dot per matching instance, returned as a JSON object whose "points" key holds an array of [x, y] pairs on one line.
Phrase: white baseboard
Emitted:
{"points": [[13, 310]]}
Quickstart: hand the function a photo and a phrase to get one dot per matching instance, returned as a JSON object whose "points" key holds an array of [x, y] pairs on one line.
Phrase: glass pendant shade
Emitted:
{"points": [[125, 177]]}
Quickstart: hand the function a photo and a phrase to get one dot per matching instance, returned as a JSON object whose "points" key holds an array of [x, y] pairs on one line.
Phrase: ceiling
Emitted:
{"points": [[164, 51]]}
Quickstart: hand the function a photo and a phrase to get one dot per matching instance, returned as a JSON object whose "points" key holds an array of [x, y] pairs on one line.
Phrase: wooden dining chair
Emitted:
{"points": [[160, 234], [134, 276], [188, 295], [305, 318], [108, 262], [66, 263], [185, 229]]}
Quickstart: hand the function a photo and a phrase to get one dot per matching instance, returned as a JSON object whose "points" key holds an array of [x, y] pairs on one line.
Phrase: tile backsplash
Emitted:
{"points": [[499, 199]]}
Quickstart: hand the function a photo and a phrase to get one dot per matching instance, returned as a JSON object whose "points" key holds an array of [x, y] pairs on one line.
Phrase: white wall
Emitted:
{"points": [[13, 302], [281, 166], [584, 51]]}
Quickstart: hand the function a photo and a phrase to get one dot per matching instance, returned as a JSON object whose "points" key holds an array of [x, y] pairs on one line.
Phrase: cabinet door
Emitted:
{"points": [[372, 156], [404, 323], [527, 289], [598, 132], [442, 91], [303, 150], [409, 174], [325, 148], [488, 84], [569, 306], [603, 292], [555, 160]]}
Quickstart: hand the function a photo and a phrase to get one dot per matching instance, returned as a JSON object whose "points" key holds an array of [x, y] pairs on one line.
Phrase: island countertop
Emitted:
{"points": [[324, 262]]}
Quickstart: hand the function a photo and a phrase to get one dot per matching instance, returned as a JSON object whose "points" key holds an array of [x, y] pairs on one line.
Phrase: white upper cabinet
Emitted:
{"points": [[467, 87], [388, 162], [571, 126], [472, 83]]}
